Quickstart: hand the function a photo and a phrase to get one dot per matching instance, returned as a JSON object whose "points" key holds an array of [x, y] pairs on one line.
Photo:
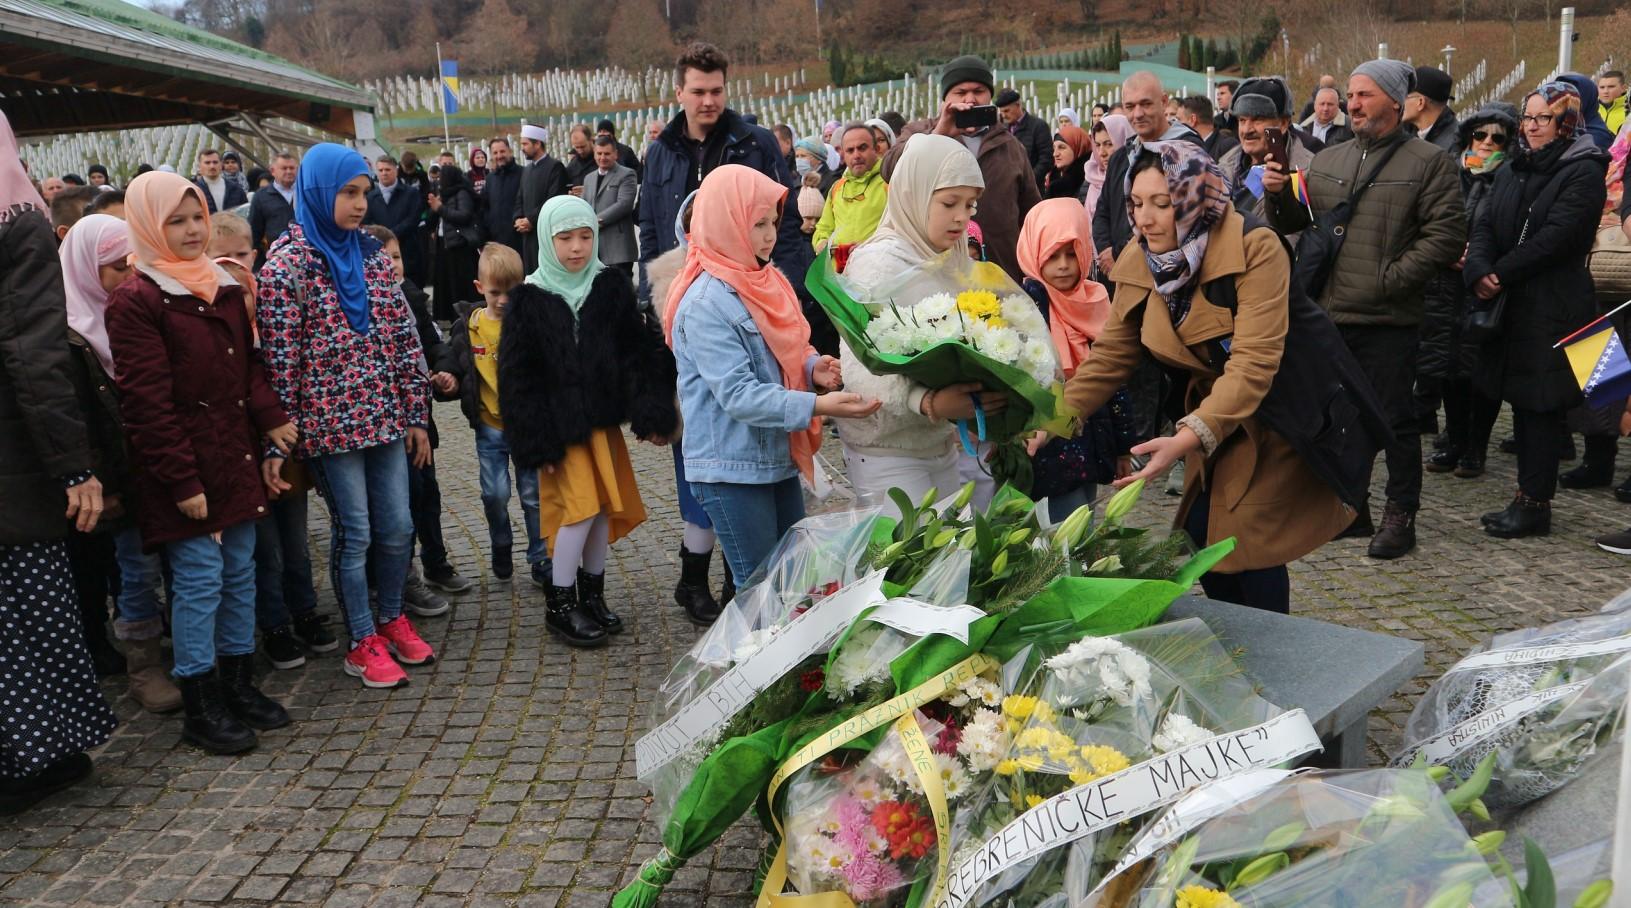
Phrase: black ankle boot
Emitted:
{"points": [[1524, 517], [727, 590], [570, 621], [1471, 465], [692, 592], [17, 795], [1596, 469], [592, 596], [105, 657], [1443, 460], [244, 700], [1622, 492], [208, 724]]}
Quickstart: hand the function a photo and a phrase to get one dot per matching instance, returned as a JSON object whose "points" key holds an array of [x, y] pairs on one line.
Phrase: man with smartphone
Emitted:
{"points": [[967, 114], [1262, 111]]}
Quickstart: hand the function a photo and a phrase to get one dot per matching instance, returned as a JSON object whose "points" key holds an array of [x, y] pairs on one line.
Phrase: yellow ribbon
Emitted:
{"points": [[899, 710]]}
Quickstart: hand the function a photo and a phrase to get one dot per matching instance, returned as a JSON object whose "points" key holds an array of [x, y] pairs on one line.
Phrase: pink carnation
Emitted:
{"points": [[866, 877]]}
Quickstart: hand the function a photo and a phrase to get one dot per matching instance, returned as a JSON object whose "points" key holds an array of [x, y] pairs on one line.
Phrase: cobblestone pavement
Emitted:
{"points": [[504, 774]]}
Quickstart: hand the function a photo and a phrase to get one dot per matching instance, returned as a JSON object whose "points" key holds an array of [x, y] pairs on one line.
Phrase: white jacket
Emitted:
{"points": [[899, 428]]}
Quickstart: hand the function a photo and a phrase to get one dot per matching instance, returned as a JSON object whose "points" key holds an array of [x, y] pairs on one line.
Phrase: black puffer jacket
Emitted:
{"points": [[42, 436], [105, 432], [1442, 354], [1549, 290], [560, 378]]}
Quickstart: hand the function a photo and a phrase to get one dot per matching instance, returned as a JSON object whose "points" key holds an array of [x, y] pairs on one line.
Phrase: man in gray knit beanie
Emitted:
{"points": [[1406, 224], [1393, 78]]}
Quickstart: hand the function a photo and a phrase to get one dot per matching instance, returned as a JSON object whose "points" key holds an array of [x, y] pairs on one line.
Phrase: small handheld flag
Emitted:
{"points": [[1597, 355]]}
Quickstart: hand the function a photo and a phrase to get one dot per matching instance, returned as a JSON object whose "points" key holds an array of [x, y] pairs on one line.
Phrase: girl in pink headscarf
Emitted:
{"points": [[1109, 134], [95, 260]]}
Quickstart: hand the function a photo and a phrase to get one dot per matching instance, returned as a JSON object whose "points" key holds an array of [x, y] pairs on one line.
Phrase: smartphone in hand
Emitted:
{"points": [[975, 117], [1279, 145]]}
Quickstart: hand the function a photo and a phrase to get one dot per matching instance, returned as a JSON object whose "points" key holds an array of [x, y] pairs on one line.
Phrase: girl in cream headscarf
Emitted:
{"points": [[908, 444]]}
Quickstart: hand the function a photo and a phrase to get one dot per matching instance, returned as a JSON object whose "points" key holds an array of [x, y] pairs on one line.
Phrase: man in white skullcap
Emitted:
{"points": [[544, 179]]}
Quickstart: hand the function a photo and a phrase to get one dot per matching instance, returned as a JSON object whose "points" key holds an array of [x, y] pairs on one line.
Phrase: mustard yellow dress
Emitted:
{"points": [[594, 478]]}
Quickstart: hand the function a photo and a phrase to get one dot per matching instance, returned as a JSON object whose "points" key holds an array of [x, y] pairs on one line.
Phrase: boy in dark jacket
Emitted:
{"points": [[476, 334], [424, 492]]}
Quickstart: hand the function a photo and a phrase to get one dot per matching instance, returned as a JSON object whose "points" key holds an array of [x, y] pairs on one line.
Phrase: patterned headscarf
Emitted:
{"points": [[1199, 202], [1563, 100]]}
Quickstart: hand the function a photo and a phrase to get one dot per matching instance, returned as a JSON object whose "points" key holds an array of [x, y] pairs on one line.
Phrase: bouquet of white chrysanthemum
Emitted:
{"points": [[1009, 330]]}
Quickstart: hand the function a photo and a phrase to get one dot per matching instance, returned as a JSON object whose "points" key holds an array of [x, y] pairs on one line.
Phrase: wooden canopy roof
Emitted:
{"points": [[80, 65]]}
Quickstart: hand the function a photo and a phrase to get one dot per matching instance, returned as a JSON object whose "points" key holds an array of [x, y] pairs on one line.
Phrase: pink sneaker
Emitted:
{"points": [[405, 643], [370, 662]]}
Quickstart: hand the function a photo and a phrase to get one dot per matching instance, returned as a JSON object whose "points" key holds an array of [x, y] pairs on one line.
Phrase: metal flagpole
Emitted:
{"points": [[441, 94]]}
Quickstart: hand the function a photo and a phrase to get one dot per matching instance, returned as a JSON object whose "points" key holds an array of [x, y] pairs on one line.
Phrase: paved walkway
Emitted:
{"points": [[504, 774]]}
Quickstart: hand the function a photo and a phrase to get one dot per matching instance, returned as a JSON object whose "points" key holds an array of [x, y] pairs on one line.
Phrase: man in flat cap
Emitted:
{"points": [[1029, 129], [1427, 108]]}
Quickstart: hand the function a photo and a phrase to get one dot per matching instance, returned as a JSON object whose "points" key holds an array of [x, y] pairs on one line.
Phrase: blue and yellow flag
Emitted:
{"points": [[1597, 356], [450, 86]]}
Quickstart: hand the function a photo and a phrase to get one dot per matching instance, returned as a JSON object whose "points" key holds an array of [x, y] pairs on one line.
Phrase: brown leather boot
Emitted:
{"points": [[150, 684]]}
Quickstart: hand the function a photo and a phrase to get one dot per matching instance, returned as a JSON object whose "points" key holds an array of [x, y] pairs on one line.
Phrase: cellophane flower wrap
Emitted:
{"points": [[863, 822], [818, 557], [1385, 837], [1544, 700], [952, 320], [1102, 704]]}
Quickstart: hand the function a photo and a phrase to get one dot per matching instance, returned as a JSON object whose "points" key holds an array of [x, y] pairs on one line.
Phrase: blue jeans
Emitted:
{"points": [[749, 519], [283, 583], [138, 608], [493, 453], [367, 496], [213, 609]]}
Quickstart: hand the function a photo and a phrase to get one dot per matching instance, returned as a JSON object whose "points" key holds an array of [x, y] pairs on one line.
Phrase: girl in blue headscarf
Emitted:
{"points": [[576, 361], [343, 354]]}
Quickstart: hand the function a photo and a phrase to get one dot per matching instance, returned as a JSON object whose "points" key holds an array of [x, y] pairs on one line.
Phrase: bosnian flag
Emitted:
{"points": [[450, 86], [1598, 357]]}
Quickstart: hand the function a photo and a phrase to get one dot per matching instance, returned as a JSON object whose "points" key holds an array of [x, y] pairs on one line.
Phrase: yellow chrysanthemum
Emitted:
{"points": [[1033, 738], [1060, 745], [1019, 706], [1202, 897], [1006, 767], [1081, 775], [1032, 801], [996, 321], [980, 304], [1104, 760]]}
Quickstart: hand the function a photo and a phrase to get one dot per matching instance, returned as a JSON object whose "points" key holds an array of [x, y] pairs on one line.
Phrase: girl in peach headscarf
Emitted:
{"points": [[196, 407], [1055, 253], [751, 387]]}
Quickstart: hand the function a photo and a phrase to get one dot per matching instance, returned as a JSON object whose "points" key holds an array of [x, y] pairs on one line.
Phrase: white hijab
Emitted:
{"points": [[930, 163]]}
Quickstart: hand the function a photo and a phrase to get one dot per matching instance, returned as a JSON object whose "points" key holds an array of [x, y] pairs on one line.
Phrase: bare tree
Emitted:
{"points": [[637, 36], [494, 40]]}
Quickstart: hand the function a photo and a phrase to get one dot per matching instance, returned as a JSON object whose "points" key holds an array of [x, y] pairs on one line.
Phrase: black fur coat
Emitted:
{"points": [[558, 380]]}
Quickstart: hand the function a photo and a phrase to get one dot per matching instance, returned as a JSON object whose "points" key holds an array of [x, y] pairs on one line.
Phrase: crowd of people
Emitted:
{"points": [[1244, 304]]}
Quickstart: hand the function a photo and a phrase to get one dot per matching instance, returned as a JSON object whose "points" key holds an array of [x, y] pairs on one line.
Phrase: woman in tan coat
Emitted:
{"points": [[1242, 479]]}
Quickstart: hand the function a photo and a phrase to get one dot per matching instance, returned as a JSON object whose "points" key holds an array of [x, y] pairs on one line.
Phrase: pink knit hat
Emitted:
{"points": [[810, 202]]}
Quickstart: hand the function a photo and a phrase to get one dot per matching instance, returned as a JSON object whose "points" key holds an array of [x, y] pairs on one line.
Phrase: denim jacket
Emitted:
{"points": [[737, 411]]}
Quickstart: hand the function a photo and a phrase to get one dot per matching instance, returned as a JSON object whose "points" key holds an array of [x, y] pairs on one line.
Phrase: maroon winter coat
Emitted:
{"points": [[195, 404]]}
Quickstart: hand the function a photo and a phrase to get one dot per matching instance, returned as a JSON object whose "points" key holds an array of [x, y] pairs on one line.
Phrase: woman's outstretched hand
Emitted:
{"points": [[1163, 452], [845, 405]]}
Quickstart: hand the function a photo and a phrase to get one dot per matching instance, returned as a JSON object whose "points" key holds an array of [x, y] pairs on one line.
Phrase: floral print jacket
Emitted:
{"points": [[343, 390]]}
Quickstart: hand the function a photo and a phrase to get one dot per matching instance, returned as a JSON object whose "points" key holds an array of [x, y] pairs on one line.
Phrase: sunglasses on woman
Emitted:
{"points": [[1484, 135]]}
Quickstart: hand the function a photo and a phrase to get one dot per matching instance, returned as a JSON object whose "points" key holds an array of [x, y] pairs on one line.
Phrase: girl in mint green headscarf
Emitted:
{"points": [[566, 215], [575, 362]]}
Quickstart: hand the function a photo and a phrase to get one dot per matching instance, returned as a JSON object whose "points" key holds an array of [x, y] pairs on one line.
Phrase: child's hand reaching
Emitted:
{"points": [[284, 437], [272, 475], [828, 374], [845, 405]]}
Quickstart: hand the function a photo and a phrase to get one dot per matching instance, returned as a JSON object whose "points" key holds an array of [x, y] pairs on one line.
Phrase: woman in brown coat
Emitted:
{"points": [[1242, 479]]}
